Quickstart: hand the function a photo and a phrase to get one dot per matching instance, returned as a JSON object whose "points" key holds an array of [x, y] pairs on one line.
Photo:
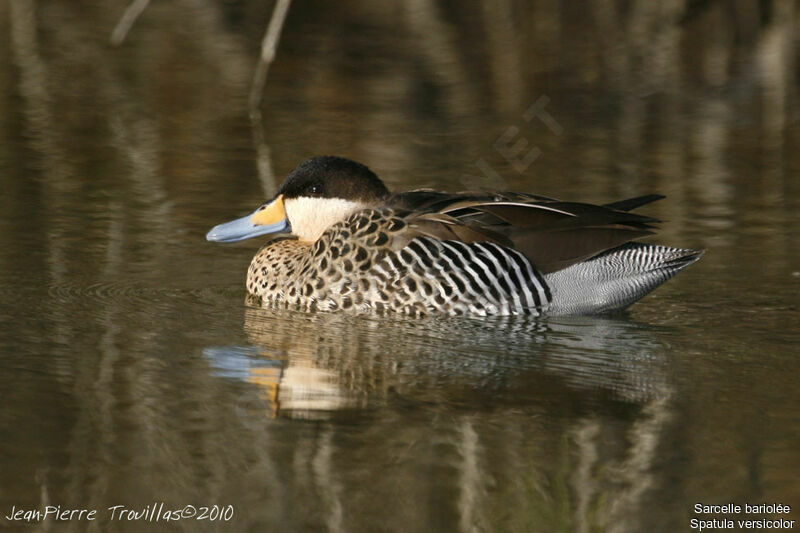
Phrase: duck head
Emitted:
{"points": [[317, 194]]}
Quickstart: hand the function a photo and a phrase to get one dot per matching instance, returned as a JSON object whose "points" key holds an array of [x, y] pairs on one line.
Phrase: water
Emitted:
{"points": [[134, 373]]}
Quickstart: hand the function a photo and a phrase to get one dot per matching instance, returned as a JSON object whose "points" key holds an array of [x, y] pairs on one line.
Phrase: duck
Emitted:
{"points": [[340, 240]]}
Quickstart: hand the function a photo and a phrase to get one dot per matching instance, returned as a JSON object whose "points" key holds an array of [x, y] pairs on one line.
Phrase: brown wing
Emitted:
{"points": [[550, 233]]}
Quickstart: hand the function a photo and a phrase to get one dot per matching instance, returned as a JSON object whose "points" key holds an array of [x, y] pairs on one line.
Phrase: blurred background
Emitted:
{"points": [[133, 371]]}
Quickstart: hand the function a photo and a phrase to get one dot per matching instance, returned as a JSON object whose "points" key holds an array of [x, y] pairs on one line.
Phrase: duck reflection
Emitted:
{"points": [[311, 365], [535, 425]]}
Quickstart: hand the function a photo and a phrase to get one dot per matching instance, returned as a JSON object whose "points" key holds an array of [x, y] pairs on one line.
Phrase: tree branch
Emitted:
{"points": [[124, 25]]}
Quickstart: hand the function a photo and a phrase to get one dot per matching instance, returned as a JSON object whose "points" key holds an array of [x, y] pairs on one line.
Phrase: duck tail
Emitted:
{"points": [[613, 280], [633, 203]]}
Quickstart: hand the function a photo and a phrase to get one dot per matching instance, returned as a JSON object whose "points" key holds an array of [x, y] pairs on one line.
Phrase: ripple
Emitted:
{"points": [[128, 294], [104, 292]]}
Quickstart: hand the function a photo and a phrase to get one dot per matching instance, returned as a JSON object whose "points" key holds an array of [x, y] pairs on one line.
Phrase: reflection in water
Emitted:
{"points": [[309, 364], [315, 366]]}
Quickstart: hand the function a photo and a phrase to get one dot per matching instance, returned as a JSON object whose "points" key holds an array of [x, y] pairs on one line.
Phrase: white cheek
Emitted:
{"points": [[310, 217]]}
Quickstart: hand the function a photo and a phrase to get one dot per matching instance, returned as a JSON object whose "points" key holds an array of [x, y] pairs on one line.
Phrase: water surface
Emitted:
{"points": [[133, 371]]}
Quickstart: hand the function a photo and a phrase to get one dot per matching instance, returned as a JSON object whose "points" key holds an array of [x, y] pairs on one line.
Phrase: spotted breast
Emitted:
{"points": [[368, 263]]}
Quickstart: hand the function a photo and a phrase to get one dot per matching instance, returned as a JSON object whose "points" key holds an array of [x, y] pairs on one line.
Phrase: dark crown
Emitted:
{"points": [[334, 177]]}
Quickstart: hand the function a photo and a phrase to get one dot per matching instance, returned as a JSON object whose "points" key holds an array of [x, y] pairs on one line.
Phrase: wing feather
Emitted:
{"points": [[551, 234]]}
